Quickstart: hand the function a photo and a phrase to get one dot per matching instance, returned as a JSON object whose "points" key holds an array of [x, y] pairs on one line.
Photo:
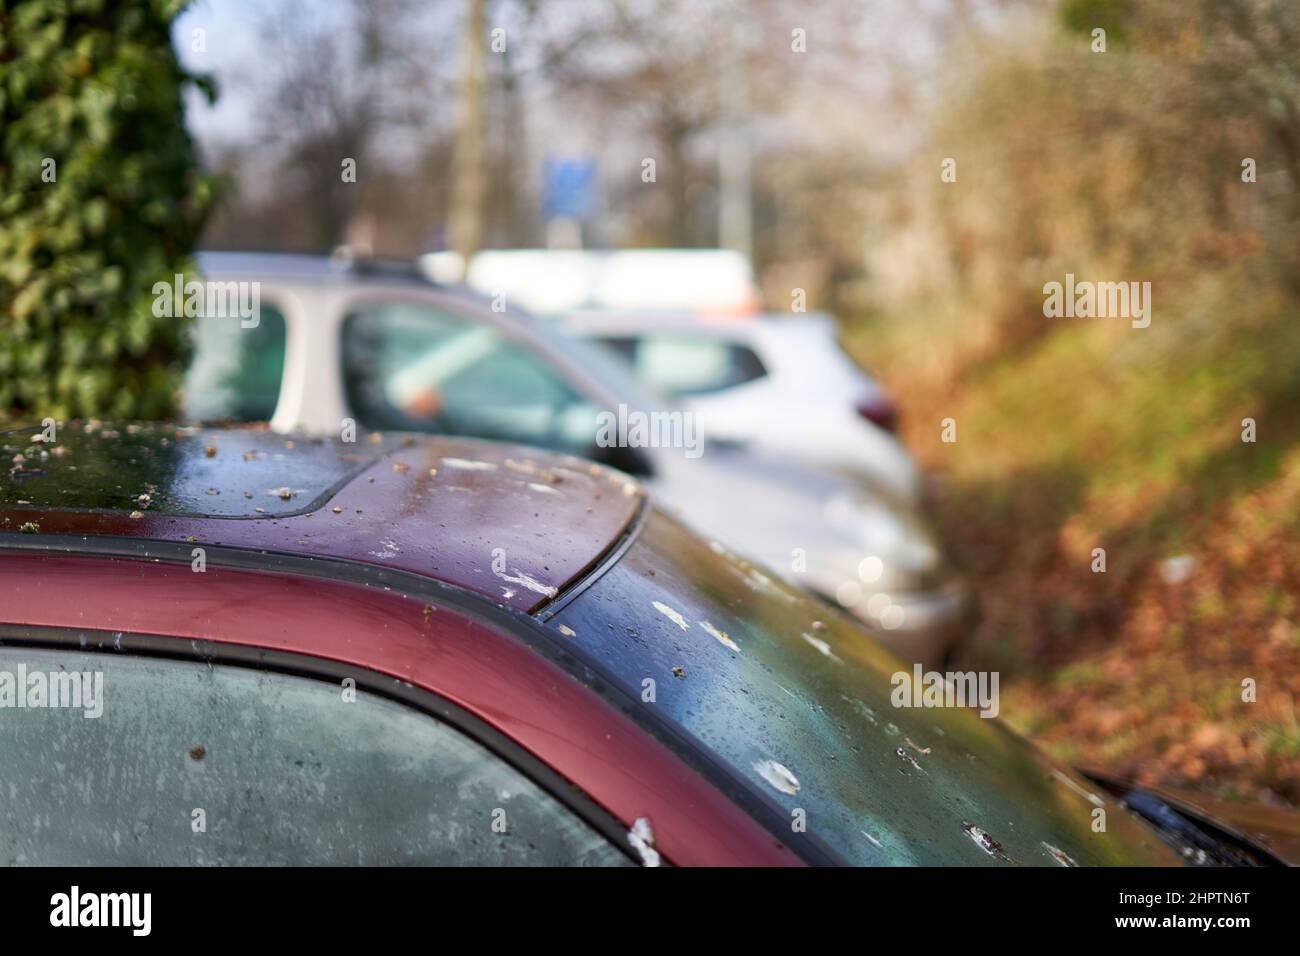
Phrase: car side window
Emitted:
{"points": [[689, 364], [166, 762], [236, 369], [415, 368]]}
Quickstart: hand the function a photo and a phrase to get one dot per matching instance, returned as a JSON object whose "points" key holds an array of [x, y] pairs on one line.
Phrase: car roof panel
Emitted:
{"points": [[238, 473], [512, 523]]}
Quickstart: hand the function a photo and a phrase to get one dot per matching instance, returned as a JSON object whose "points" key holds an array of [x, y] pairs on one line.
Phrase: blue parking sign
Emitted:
{"points": [[570, 187]]}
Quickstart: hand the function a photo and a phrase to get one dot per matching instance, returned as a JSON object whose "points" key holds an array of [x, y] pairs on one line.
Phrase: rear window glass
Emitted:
{"points": [[166, 763], [236, 369], [794, 699], [689, 364]]}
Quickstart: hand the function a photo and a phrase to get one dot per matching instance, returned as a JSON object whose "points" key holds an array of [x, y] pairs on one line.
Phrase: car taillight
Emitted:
{"points": [[880, 411]]}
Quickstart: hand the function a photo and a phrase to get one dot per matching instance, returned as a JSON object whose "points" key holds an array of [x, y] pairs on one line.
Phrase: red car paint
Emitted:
{"points": [[464, 660]]}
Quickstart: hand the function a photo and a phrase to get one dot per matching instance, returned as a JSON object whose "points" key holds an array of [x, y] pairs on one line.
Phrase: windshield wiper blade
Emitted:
{"points": [[1200, 842]]}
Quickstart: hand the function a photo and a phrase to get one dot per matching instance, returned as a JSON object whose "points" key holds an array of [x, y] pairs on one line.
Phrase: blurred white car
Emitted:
{"points": [[771, 382]]}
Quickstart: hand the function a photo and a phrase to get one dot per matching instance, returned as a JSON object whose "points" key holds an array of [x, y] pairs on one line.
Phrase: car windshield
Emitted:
{"points": [[793, 699]]}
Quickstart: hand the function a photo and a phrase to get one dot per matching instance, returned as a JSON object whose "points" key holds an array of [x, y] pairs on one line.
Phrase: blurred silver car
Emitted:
{"points": [[337, 343], [775, 382]]}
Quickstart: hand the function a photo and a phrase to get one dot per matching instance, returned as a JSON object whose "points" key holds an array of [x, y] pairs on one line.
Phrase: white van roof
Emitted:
{"points": [[550, 281]]}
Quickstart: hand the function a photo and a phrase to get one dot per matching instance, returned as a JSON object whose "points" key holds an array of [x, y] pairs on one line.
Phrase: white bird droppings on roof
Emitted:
{"points": [[674, 616]]}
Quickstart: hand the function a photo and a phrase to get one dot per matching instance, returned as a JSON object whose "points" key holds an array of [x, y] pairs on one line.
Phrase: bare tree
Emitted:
{"points": [[334, 85]]}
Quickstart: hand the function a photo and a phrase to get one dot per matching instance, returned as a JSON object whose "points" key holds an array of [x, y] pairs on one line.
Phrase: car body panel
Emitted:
{"points": [[461, 511], [455, 656], [924, 625], [776, 684]]}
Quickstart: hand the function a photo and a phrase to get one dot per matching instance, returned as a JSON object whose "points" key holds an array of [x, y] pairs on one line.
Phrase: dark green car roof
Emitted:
{"points": [[794, 705]]}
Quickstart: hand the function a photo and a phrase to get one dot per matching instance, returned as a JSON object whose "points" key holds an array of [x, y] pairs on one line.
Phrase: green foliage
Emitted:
{"points": [[1085, 433], [100, 197], [1084, 16]]}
